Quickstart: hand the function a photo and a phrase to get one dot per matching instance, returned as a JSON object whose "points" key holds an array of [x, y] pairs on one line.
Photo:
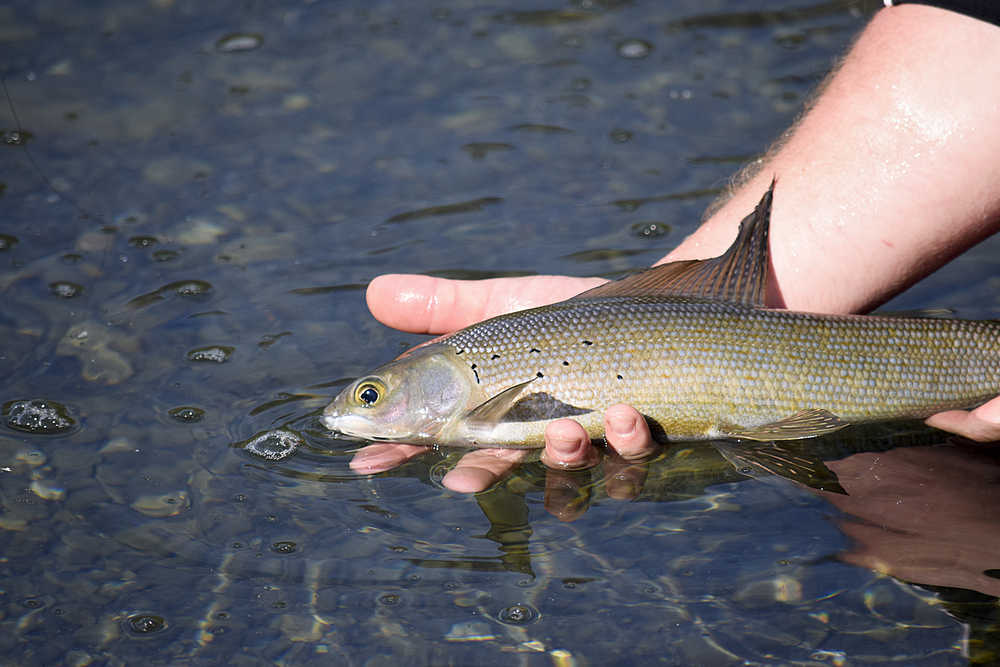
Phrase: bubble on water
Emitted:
{"points": [[144, 624], [239, 41], [274, 445], [187, 414], [652, 229], [284, 547], [16, 137], [189, 288], [389, 599], [518, 614], [38, 415], [634, 48], [215, 353], [143, 241], [620, 136], [65, 289], [7, 241]]}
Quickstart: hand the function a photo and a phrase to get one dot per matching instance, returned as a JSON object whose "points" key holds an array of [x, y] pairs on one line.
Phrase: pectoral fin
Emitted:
{"points": [[804, 424], [492, 410], [514, 404]]}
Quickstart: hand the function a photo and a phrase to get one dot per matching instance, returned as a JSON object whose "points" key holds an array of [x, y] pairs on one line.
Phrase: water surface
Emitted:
{"points": [[194, 196]]}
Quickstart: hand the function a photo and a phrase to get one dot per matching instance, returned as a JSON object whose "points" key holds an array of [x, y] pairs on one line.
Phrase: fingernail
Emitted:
{"points": [[621, 425], [564, 446]]}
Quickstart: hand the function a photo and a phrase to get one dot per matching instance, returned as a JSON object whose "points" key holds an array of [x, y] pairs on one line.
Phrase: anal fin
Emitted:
{"points": [[804, 424], [783, 460]]}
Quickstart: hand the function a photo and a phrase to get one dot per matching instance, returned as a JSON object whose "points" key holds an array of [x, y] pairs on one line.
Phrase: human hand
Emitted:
{"points": [[982, 424], [423, 304], [917, 513]]}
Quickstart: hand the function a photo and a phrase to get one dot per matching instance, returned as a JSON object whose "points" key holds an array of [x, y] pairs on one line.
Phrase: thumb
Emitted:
{"points": [[428, 305]]}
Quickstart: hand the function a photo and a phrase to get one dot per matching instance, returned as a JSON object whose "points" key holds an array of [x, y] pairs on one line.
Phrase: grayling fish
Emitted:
{"points": [[691, 346]]}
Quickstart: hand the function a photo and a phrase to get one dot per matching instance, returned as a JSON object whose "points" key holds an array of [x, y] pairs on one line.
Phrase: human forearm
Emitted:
{"points": [[891, 173]]}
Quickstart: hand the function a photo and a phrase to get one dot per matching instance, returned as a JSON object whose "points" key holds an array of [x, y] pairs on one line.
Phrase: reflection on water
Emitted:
{"points": [[200, 194]]}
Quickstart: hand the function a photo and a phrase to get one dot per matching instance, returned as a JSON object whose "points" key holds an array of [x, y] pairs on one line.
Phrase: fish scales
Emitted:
{"points": [[695, 365]]}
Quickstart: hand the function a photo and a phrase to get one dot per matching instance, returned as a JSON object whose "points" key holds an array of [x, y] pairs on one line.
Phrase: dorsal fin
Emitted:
{"points": [[739, 274]]}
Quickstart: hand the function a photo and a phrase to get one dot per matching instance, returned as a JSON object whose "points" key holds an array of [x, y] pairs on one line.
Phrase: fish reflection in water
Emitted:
{"points": [[924, 514], [911, 503]]}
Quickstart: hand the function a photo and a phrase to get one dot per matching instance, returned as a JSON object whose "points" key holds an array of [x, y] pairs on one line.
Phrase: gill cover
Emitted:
{"points": [[411, 399]]}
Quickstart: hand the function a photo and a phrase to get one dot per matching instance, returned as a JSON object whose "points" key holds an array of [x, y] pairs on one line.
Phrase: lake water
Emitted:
{"points": [[193, 198]]}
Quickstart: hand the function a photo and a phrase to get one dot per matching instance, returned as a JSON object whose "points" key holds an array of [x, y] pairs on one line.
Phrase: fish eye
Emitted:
{"points": [[369, 392]]}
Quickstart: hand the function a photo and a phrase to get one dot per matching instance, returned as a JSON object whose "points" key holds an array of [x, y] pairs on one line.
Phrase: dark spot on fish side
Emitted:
{"points": [[476, 373], [587, 342], [619, 377], [494, 357], [534, 350], [459, 351], [565, 363], [539, 374]]}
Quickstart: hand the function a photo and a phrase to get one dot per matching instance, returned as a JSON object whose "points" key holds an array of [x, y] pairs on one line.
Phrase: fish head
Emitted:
{"points": [[416, 399]]}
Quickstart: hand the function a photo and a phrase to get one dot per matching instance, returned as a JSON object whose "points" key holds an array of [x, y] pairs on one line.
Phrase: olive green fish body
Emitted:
{"points": [[697, 368], [691, 346]]}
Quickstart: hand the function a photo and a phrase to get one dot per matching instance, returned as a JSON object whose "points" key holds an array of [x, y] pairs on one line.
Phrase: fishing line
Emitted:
{"points": [[19, 138]]}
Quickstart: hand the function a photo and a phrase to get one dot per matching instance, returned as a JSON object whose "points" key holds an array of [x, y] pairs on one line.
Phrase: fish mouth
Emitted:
{"points": [[330, 422], [353, 427], [349, 425]]}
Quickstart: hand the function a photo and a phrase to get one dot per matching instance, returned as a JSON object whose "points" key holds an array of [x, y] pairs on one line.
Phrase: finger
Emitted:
{"points": [[383, 456], [567, 494], [568, 447], [482, 468], [423, 304], [628, 433], [623, 480], [982, 424]]}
